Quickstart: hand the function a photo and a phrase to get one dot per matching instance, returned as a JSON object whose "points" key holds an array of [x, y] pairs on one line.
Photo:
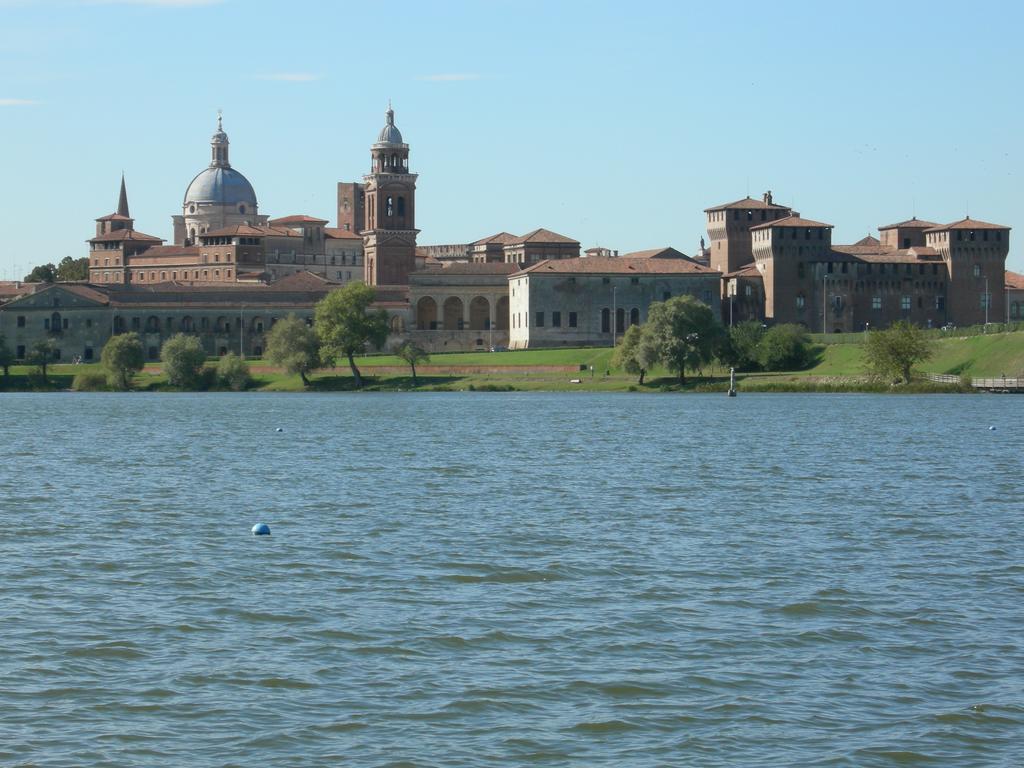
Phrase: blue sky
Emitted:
{"points": [[615, 123]]}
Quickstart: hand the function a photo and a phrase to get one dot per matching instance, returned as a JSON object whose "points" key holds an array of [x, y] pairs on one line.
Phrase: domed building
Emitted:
{"points": [[218, 197]]}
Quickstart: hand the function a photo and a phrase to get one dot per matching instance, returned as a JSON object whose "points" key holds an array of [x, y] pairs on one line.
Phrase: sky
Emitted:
{"points": [[615, 123]]}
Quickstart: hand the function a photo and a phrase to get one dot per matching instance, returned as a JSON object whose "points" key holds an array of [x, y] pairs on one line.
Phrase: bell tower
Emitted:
{"points": [[389, 240]]}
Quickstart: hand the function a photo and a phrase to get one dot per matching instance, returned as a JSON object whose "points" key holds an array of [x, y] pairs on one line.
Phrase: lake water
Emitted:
{"points": [[511, 579]]}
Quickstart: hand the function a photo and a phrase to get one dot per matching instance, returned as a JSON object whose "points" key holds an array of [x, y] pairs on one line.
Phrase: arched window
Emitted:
{"points": [[606, 323], [634, 316], [152, 324], [187, 326], [55, 324], [401, 206], [390, 206], [620, 319]]}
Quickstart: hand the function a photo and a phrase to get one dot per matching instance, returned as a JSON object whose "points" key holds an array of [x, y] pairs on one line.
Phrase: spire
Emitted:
{"points": [[219, 146], [122, 201]]}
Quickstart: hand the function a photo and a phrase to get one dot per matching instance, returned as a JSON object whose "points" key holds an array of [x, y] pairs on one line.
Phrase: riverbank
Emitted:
{"points": [[838, 367]]}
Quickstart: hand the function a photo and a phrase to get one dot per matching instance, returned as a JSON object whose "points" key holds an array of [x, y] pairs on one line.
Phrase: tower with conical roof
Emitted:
{"points": [[389, 240]]}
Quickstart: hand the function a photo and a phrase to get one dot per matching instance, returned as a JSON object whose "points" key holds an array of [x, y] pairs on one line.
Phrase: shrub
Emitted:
{"points": [[233, 372], [90, 381], [784, 348], [183, 357]]}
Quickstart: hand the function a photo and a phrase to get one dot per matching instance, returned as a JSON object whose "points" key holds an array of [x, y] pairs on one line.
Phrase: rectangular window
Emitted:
{"points": [[634, 281], [905, 303], [572, 319], [88, 353], [606, 280], [799, 302], [88, 323], [21, 321], [666, 295], [876, 302], [940, 303], [540, 320], [556, 319], [20, 352]]}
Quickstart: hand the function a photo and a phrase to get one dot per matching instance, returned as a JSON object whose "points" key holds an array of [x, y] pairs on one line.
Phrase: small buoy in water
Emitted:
{"points": [[279, 429], [991, 429], [261, 529]]}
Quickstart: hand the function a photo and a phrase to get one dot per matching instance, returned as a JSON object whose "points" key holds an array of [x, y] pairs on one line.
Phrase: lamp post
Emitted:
{"points": [[241, 331], [615, 327], [824, 304], [986, 304]]}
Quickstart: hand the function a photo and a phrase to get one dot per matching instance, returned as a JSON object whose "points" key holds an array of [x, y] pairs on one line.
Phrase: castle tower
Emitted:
{"points": [[389, 240], [729, 226]]}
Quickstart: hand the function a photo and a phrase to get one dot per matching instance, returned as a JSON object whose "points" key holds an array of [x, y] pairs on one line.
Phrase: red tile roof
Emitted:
{"points": [[501, 237], [543, 236], [469, 268], [114, 217], [914, 223], [750, 270], [598, 265], [158, 251], [337, 233], [1014, 281], [297, 219], [967, 223], [125, 234], [792, 221], [667, 252], [248, 230], [748, 202], [869, 241]]}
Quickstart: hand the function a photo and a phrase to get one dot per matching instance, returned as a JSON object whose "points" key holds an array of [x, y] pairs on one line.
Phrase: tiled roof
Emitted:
{"points": [[158, 251], [667, 252], [868, 241], [501, 237], [859, 250], [750, 270], [125, 234], [748, 202], [1014, 281], [114, 217], [248, 230], [914, 223], [967, 223], [617, 266], [470, 268], [297, 219], [542, 236], [792, 221], [337, 233], [917, 255]]}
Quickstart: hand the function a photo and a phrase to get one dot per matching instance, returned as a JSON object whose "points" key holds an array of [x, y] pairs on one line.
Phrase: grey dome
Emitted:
{"points": [[225, 186], [389, 134]]}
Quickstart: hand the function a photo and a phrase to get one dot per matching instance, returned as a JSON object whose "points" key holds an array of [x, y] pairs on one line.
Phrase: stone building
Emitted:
{"points": [[592, 301], [1014, 299], [929, 275], [460, 306], [231, 317], [489, 250], [540, 245]]}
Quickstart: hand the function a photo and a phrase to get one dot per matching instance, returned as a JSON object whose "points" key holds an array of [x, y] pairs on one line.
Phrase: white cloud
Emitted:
{"points": [[17, 102], [290, 77], [449, 78]]}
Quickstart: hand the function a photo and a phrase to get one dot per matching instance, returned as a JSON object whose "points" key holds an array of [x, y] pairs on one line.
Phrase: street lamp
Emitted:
{"points": [[241, 331], [824, 304], [615, 327]]}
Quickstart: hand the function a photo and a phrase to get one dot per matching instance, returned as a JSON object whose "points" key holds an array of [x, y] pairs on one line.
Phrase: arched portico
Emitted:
{"points": [[453, 309], [479, 314], [426, 314]]}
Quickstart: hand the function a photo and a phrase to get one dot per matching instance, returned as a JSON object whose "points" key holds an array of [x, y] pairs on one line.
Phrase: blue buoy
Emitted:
{"points": [[261, 529]]}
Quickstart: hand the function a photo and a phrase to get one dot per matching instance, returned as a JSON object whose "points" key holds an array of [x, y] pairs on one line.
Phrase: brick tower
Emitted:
{"points": [[389, 240]]}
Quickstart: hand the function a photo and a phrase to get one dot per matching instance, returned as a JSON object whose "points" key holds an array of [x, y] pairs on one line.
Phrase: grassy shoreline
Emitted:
{"points": [[837, 368]]}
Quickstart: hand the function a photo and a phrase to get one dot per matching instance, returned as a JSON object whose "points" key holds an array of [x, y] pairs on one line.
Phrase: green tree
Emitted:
{"points": [[637, 353], [6, 357], [893, 353], [739, 348], [346, 325], [183, 357], [412, 353], [685, 333], [44, 273], [784, 347], [122, 357], [43, 353], [72, 269], [294, 346], [233, 372]]}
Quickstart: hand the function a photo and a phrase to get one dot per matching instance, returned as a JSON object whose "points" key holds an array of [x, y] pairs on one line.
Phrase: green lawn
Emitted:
{"points": [[990, 355]]}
